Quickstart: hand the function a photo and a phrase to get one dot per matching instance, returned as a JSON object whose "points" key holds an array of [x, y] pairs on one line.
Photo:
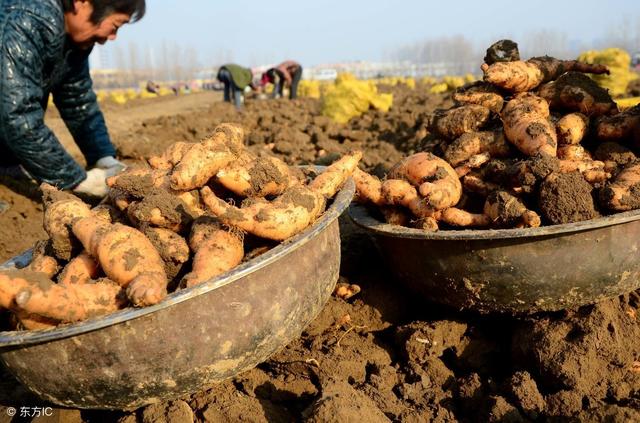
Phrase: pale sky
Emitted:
{"points": [[329, 31]]}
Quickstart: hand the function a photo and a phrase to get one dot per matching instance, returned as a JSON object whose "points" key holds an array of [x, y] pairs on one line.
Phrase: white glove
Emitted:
{"points": [[95, 184], [111, 163]]}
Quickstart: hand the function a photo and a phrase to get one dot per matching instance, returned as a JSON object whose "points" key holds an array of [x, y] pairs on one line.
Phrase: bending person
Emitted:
{"points": [[45, 50]]}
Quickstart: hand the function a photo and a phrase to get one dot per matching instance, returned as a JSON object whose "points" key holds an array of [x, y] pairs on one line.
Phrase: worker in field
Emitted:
{"points": [[235, 79], [286, 74], [44, 49]]}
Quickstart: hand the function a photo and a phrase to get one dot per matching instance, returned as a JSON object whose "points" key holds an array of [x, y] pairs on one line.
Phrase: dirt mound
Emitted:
{"points": [[566, 198], [295, 130]]}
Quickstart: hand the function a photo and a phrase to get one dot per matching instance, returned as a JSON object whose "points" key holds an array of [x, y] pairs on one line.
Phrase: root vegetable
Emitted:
{"points": [[519, 76], [30, 321], [454, 122], [472, 143], [505, 210], [573, 152], [42, 259], [61, 211], [368, 187], [334, 176], [139, 182], [173, 249], [171, 156], [127, 257], [12, 281], [620, 126], [474, 162], [397, 192], [528, 127], [482, 94], [346, 290], [71, 303], [217, 250], [458, 217], [81, 270], [436, 180], [576, 92], [255, 177], [624, 192], [572, 128], [615, 152], [160, 208], [395, 216], [475, 184], [205, 159], [278, 220]]}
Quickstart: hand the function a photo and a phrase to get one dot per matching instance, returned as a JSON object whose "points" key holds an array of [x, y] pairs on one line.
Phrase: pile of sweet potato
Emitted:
{"points": [[171, 224], [536, 142]]}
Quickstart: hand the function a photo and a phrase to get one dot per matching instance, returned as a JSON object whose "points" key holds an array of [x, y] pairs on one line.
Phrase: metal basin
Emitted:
{"points": [[192, 339], [514, 271]]}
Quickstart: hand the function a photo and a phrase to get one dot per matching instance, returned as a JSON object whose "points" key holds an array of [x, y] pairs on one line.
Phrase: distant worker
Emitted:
{"points": [[152, 87], [235, 79], [45, 50], [286, 74]]}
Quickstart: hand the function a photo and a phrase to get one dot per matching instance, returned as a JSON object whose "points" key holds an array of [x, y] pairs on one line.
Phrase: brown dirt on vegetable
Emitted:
{"points": [[567, 197], [383, 352], [614, 152]]}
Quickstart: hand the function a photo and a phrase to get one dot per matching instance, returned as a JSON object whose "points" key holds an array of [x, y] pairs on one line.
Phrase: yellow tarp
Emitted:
{"points": [[349, 97]]}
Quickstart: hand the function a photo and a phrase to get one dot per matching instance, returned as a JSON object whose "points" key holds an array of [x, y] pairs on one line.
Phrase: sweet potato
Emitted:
{"points": [[12, 281], [576, 92], [454, 122], [475, 184], [173, 249], [71, 303], [80, 270], [368, 187], [436, 180], [30, 321], [472, 143], [572, 128], [335, 175], [458, 217], [573, 152], [217, 250], [61, 210], [528, 127], [160, 208], [278, 220], [519, 76], [171, 156], [480, 93], [397, 192], [474, 162], [618, 127], [505, 210], [251, 176], [205, 159], [624, 192], [126, 256], [43, 260]]}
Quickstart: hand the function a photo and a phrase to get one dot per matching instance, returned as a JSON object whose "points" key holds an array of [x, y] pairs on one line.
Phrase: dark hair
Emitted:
{"points": [[103, 8]]}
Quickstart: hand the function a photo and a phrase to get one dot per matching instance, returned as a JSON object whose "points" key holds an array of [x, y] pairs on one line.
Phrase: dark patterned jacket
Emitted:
{"points": [[38, 59]]}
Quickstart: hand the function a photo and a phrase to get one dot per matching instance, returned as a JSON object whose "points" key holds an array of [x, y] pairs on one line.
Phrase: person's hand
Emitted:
{"points": [[95, 184], [113, 165]]}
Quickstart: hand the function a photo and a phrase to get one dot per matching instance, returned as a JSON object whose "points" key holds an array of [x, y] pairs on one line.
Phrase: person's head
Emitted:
{"points": [[97, 21], [267, 77]]}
